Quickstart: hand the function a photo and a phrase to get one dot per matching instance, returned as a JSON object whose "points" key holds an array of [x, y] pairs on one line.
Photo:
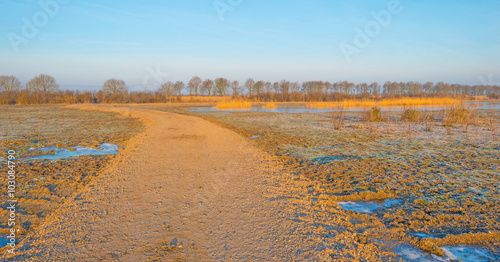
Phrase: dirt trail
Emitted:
{"points": [[184, 189]]}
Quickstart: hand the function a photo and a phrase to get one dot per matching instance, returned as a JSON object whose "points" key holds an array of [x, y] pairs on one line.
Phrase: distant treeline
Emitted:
{"points": [[43, 89]]}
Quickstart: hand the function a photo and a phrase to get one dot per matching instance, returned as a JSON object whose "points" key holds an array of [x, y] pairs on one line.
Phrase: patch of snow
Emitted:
{"points": [[424, 235], [459, 253], [106, 149], [368, 207]]}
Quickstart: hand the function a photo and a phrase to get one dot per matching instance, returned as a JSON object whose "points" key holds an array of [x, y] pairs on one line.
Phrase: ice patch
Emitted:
{"points": [[45, 149], [3, 240], [109, 147], [424, 235], [468, 253], [61, 152], [459, 253], [368, 207]]}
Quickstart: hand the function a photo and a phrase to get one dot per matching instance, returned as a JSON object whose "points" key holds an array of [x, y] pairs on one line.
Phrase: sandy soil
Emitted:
{"points": [[184, 189]]}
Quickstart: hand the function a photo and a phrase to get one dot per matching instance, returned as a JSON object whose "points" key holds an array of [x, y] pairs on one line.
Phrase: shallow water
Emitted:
{"points": [[61, 152], [3, 240], [368, 207], [299, 109], [458, 253]]}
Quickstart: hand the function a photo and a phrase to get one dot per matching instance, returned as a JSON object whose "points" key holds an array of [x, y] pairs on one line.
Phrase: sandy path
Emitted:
{"points": [[184, 189]]}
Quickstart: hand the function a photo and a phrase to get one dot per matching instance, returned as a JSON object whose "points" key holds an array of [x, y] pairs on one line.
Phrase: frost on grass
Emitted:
{"points": [[446, 175], [106, 149], [44, 185]]}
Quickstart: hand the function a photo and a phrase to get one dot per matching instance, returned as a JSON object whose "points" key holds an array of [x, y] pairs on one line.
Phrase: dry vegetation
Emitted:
{"points": [[443, 164], [406, 101], [22, 127], [233, 105], [345, 104], [43, 185]]}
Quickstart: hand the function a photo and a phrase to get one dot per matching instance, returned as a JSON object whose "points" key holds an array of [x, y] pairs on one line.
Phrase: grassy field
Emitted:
{"points": [[443, 165], [43, 185]]}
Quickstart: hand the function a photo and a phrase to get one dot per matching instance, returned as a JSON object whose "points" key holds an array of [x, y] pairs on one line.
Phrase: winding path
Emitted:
{"points": [[184, 189]]}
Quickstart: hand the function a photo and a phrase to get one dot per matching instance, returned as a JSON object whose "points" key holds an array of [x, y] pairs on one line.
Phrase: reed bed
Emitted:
{"points": [[233, 105], [270, 105], [204, 99], [405, 102]]}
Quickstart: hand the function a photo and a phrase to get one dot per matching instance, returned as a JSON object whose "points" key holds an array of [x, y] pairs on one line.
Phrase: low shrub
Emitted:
{"points": [[411, 115], [375, 114]]}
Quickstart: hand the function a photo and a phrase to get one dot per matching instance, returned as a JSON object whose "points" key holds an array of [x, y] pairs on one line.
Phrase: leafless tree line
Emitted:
{"points": [[44, 89]]}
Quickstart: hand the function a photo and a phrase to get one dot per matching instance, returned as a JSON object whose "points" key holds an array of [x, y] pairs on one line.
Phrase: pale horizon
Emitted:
{"points": [[83, 44]]}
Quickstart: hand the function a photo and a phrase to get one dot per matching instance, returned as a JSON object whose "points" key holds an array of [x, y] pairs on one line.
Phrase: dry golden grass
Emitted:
{"points": [[233, 105], [448, 188], [270, 105], [22, 127], [44, 185], [365, 196], [364, 168], [406, 102], [459, 114], [204, 99]]}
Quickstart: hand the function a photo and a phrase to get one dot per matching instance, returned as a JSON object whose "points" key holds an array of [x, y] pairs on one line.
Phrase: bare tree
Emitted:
{"points": [[259, 87], [178, 86], [43, 83], [221, 86], [337, 87], [347, 87], [207, 86], [167, 89], [193, 85], [428, 87], [362, 88], [114, 87], [276, 87], [249, 84], [285, 86], [295, 87], [374, 88], [235, 87], [267, 87], [9, 83]]}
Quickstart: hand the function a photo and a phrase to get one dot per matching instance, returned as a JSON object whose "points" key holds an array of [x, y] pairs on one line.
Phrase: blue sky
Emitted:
{"points": [[83, 43]]}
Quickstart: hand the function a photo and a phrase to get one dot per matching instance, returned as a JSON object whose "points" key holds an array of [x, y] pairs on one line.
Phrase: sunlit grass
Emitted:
{"points": [[270, 105], [407, 101], [204, 99], [233, 105]]}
